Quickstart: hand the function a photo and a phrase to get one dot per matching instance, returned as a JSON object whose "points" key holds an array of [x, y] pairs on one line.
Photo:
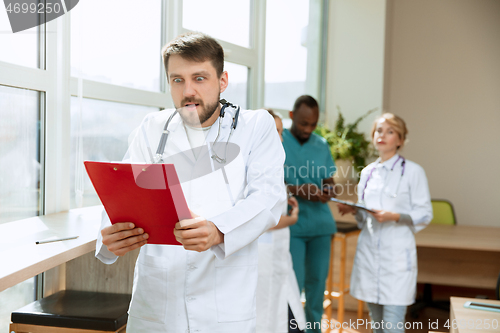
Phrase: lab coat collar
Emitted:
{"points": [[178, 137], [387, 164]]}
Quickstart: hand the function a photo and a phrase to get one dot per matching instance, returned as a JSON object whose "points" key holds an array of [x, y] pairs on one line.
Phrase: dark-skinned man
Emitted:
{"points": [[309, 170]]}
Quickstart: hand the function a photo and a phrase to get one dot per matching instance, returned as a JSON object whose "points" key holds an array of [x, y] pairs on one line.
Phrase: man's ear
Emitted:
{"points": [[290, 114], [223, 81]]}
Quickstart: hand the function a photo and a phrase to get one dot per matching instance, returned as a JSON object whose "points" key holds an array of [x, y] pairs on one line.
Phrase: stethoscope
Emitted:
{"points": [[392, 169], [164, 136]]}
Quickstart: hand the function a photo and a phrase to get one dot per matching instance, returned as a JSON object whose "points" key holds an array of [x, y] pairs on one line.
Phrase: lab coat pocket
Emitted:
{"points": [[407, 260], [149, 296], [235, 301]]}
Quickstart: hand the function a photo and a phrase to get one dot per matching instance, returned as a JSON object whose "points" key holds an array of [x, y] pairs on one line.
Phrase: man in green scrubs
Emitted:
{"points": [[309, 170]]}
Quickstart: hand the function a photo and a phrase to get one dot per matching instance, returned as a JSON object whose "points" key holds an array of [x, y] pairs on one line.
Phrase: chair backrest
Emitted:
{"points": [[443, 212]]}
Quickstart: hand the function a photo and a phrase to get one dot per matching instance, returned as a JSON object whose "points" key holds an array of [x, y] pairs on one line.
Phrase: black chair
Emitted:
{"points": [[71, 311]]}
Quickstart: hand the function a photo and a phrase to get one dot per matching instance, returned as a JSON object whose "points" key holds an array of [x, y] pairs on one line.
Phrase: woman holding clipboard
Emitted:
{"points": [[384, 274]]}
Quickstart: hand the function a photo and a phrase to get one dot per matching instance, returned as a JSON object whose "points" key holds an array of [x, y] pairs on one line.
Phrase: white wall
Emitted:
{"points": [[443, 78], [355, 65]]}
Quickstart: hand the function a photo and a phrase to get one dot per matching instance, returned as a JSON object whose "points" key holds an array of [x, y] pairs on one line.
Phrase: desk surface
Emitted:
{"points": [[465, 256], [464, 320], [21, 258], [460, 237]]}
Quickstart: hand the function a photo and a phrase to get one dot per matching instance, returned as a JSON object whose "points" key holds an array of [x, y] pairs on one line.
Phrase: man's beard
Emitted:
{"points": [[195, 120]]}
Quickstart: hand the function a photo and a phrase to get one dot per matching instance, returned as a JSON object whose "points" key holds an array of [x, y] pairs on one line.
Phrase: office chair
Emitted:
{"points": [[443, 213]]}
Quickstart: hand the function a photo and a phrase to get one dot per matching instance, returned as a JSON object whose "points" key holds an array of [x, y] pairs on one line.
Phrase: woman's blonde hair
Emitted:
{"points": [[397, 123], [274, 114]]}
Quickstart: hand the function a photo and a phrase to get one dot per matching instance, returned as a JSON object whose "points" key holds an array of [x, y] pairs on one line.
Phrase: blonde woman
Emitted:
{"points": [[384, 274]]}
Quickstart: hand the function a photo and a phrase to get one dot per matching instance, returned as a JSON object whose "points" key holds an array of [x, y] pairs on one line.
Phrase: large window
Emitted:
{"points": [[19, 153], [237, 90], [19, 176], [102, 129], [20, 48], [117, 42], [293, 58], [228, 20]]}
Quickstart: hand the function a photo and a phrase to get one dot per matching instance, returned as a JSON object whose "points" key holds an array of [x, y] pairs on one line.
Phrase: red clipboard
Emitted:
{"points": [[149, 195]]}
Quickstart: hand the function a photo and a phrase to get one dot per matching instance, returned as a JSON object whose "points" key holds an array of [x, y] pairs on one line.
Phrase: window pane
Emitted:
{"points": [[228, 20], [288, 55], [106, 127], [19, 177], [20, 48], [14, 298], [19, 154], [117, 42], [236, 91]]}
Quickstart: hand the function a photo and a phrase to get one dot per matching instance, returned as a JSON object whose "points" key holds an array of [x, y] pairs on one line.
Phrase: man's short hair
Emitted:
{"points": [[195, 46], [307, 100]]}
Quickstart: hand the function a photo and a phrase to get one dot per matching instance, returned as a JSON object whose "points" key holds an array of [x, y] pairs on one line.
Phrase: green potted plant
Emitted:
{"points": [[347, 144]]}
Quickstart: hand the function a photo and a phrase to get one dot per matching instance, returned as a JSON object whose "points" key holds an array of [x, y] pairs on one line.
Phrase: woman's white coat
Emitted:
{"points": [[385, 264]]}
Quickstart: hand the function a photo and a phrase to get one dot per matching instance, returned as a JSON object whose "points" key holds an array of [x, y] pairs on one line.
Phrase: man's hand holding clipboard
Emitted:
{"points": [[197, 234], [123, 237]]}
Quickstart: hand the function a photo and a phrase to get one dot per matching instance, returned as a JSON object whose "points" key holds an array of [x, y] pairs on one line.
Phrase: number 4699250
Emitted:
{"points": [[38, 8]]}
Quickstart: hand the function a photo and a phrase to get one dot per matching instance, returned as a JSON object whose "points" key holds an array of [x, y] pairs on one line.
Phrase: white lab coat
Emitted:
{"points": [[277, 285], [176, 290], [385, 265]]}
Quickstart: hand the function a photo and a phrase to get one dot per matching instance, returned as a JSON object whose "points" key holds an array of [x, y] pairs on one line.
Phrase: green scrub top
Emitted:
{"points": [[309, 163]]}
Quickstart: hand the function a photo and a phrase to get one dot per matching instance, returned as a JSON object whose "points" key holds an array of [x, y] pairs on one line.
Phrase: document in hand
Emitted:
{"points": [[355, 205], [149, 195]]}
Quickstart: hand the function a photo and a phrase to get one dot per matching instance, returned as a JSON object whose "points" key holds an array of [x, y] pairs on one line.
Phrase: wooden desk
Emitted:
{"points": [[467, 256], [21, 258], [460, 317]]}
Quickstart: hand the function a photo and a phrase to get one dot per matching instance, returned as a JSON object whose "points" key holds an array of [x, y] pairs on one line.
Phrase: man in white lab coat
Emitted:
{"points": [[209, 283]]}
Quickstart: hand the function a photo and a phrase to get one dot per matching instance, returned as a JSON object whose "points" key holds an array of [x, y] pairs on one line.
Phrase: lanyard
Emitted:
{"points": [[397, 188]]}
